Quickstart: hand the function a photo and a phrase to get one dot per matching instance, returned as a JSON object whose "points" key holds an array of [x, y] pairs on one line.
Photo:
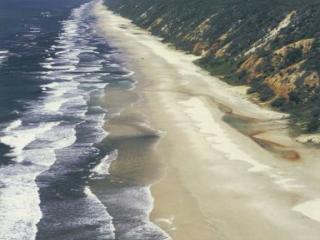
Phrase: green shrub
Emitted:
{"points": [[216, 66], [266, 93], [294, 55], [259, 86], [313, 125], [279, 102]]}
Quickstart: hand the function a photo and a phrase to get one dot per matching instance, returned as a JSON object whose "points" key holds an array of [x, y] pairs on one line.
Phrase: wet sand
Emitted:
{"points": [[210, 179]]}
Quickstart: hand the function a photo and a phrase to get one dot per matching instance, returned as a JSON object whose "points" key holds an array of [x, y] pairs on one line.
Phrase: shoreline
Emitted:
{"points": [[213, 185]]}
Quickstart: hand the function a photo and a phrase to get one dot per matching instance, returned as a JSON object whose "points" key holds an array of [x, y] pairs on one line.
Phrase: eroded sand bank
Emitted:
{"points": [[219, 182]]}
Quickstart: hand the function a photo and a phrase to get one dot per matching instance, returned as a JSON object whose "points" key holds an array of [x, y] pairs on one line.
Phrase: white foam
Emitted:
{"points": [[56, 100], [141, 199], [89, 69], [46, 65], [13, 125], [63, 88], [18, 138], [3, 55], [65, 68], [46, 14], [108, 228], [54, 106], [35, 145], [19, 203], [40, 156], [68, 77], [102, 169], [129, 74], [114, 65], [310, 209], [35, 30], [78, 103], [60, 137]]}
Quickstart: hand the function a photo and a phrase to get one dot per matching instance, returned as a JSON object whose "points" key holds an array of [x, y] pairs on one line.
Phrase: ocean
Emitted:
{"points": [[55, 69]]}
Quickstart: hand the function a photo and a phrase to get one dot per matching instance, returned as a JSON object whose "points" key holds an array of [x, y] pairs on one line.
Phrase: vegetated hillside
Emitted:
{"points": [[273, 46]]}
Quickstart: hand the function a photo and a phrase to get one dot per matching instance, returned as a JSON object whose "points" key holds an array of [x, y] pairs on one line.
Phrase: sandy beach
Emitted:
{"points": [[219, 166]]}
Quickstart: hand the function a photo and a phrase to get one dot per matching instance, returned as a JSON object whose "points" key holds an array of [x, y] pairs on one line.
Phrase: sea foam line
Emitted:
{"points": [[4, 54], [109, 228], [18, 138], [25, 139], [20, 210], [102, 169]]}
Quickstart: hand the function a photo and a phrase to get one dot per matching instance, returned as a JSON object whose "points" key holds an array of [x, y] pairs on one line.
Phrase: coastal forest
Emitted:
{"points": [[273, 46]]}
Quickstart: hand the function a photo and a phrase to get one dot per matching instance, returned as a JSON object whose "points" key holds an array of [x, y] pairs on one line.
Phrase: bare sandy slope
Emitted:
{"points": [[219, 183]]}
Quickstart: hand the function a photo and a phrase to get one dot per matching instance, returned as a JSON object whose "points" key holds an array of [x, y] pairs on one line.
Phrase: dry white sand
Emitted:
{"points": [[219, 183]]}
